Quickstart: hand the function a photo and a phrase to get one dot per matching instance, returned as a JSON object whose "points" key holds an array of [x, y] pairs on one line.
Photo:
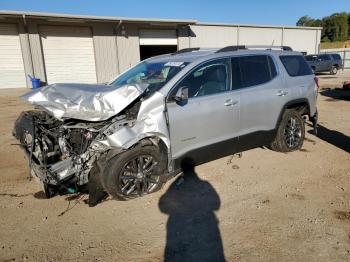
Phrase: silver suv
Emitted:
{"points": [[128, 137]]}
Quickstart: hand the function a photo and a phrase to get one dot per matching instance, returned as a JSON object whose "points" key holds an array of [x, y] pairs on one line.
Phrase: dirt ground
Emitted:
{"points": [[265, 206]]}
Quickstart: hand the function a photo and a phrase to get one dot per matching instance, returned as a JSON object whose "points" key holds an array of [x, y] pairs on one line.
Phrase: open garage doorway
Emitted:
{"points": [[157, 42], [147, 51]]}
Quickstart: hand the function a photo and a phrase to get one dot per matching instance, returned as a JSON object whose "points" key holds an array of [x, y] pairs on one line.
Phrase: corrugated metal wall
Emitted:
{"points": [[183, 41], [260, 36], [213, 36], [105, 52], [26, 53], [128, 47], [36, 51], [303, 40]]}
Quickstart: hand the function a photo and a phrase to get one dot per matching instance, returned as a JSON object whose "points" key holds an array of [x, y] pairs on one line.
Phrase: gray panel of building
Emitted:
{"points": [[128, 44], [105, 52]]}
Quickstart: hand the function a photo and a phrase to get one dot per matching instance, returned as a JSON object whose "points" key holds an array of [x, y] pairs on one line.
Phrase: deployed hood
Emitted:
{"points": [[84, 101]]}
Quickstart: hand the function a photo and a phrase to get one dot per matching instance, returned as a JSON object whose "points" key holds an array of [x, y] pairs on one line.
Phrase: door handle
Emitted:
{"points": [[230, 102], [282, 93]]}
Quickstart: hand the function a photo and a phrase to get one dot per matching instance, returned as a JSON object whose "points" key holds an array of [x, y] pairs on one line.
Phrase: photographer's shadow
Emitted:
{"points": [[192, 228]]}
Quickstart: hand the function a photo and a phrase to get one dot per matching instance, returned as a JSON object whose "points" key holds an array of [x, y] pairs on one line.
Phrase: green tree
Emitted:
{"points": [[336, 27], [305, 21], [349, 25]]}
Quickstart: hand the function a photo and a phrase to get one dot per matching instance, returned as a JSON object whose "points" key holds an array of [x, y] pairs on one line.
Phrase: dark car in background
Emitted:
{"points": [[325, 63]]}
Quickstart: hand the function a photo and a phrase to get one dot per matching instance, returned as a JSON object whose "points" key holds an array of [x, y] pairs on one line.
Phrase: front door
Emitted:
{"points": [[202, 126]]}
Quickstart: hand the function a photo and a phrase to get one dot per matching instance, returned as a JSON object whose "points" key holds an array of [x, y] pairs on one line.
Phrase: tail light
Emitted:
{"points": [[317, 81]]}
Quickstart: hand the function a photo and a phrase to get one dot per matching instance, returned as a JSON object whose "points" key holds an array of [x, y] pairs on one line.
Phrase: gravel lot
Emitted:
{"points": [[265, 206]]}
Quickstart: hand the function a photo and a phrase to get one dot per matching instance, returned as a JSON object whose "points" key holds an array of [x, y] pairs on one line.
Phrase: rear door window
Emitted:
{"points": [[310, 58], [252, 70], [324, 57], [295, 65]]}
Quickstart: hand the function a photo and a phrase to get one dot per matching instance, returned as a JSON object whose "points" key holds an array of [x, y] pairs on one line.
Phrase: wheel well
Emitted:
{"points": [[336, 65], [302, 107], [159, 143]]}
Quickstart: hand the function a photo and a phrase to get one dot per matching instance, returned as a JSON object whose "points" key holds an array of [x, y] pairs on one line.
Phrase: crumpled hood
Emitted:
{"points": [[84, 101]]}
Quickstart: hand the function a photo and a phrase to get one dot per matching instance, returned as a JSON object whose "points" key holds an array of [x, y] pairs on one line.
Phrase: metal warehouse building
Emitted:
{"points": [[89, 49]]}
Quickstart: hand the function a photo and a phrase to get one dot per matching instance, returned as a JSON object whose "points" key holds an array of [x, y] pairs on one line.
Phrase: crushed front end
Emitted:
{"points": [[59, 153], [63, 154]]}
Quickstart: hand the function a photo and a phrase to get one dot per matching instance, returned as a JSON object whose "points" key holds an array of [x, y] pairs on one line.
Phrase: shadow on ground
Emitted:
{"points": [[333, 137], [192, 228], [337, 93]]}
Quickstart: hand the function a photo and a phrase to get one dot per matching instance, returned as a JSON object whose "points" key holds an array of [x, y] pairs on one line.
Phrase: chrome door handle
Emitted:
{"points": [[230, 102], [282, 93]]}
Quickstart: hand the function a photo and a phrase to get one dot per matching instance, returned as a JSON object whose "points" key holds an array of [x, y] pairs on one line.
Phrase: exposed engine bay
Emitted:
{"points": [[62, 153]]}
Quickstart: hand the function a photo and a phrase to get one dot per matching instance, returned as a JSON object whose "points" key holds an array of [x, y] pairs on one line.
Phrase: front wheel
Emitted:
{"points": [[290, 133], [134, 173]]}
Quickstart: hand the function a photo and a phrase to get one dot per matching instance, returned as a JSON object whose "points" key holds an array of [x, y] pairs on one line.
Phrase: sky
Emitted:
{"points": [[267, 12]]}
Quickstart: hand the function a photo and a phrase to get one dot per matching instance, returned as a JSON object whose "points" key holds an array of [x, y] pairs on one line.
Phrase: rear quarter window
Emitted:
{"points": [[295, 65], [336, 57]]}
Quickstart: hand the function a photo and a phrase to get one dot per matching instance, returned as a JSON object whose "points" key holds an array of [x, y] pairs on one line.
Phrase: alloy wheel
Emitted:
{"points": [[138, 176], [292, 133]]}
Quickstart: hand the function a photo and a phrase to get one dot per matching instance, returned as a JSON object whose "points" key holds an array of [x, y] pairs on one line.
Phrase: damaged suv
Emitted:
{"points": [[128, 137]]}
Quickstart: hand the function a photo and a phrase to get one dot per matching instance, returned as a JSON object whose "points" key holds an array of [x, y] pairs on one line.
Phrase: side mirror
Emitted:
{"points": [[181, 94]]}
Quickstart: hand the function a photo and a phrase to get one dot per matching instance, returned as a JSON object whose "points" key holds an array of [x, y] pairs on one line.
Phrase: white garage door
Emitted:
{"points": [[68, 54], [11, 62], [158, 37]]}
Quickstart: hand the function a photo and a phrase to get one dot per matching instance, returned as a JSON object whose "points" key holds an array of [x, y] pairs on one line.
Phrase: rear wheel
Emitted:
{"points": [[290, 133], [134, 173], [334, 70]]}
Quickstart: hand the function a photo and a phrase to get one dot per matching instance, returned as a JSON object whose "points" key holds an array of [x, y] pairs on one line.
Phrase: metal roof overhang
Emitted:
{"points": [[153, 21], [76, 18]]}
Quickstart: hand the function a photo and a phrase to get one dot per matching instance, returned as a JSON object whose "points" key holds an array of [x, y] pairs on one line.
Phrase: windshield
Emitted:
{"points": [[154, 75]]}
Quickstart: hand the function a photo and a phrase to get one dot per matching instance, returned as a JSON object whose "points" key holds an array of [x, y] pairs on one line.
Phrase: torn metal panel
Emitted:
{"points": [[150, 122], [84, 101]]}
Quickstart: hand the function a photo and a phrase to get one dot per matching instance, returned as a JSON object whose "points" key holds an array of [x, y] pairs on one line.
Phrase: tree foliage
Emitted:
{"points": [[335, 27]]}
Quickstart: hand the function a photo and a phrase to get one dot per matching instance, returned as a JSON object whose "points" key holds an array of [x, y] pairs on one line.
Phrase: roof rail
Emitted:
{"points": [[186, 50], [231, 48], [245, 47]]}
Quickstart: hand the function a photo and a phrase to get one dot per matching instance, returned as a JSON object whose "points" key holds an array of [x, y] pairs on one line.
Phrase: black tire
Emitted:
{"points": [[289, 138], [334, 70], [121, 174], [49, 190]]}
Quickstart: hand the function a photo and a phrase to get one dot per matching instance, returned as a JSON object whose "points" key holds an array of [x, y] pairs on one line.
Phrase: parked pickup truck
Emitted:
{"points": [[325, 63]]}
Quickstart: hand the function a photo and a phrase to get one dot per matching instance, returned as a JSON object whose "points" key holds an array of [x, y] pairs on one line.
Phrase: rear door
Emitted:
{"points": [[262, 93], [209, 116]]}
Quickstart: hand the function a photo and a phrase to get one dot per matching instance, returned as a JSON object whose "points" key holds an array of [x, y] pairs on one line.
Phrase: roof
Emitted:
{"points": [[138, 20]]}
